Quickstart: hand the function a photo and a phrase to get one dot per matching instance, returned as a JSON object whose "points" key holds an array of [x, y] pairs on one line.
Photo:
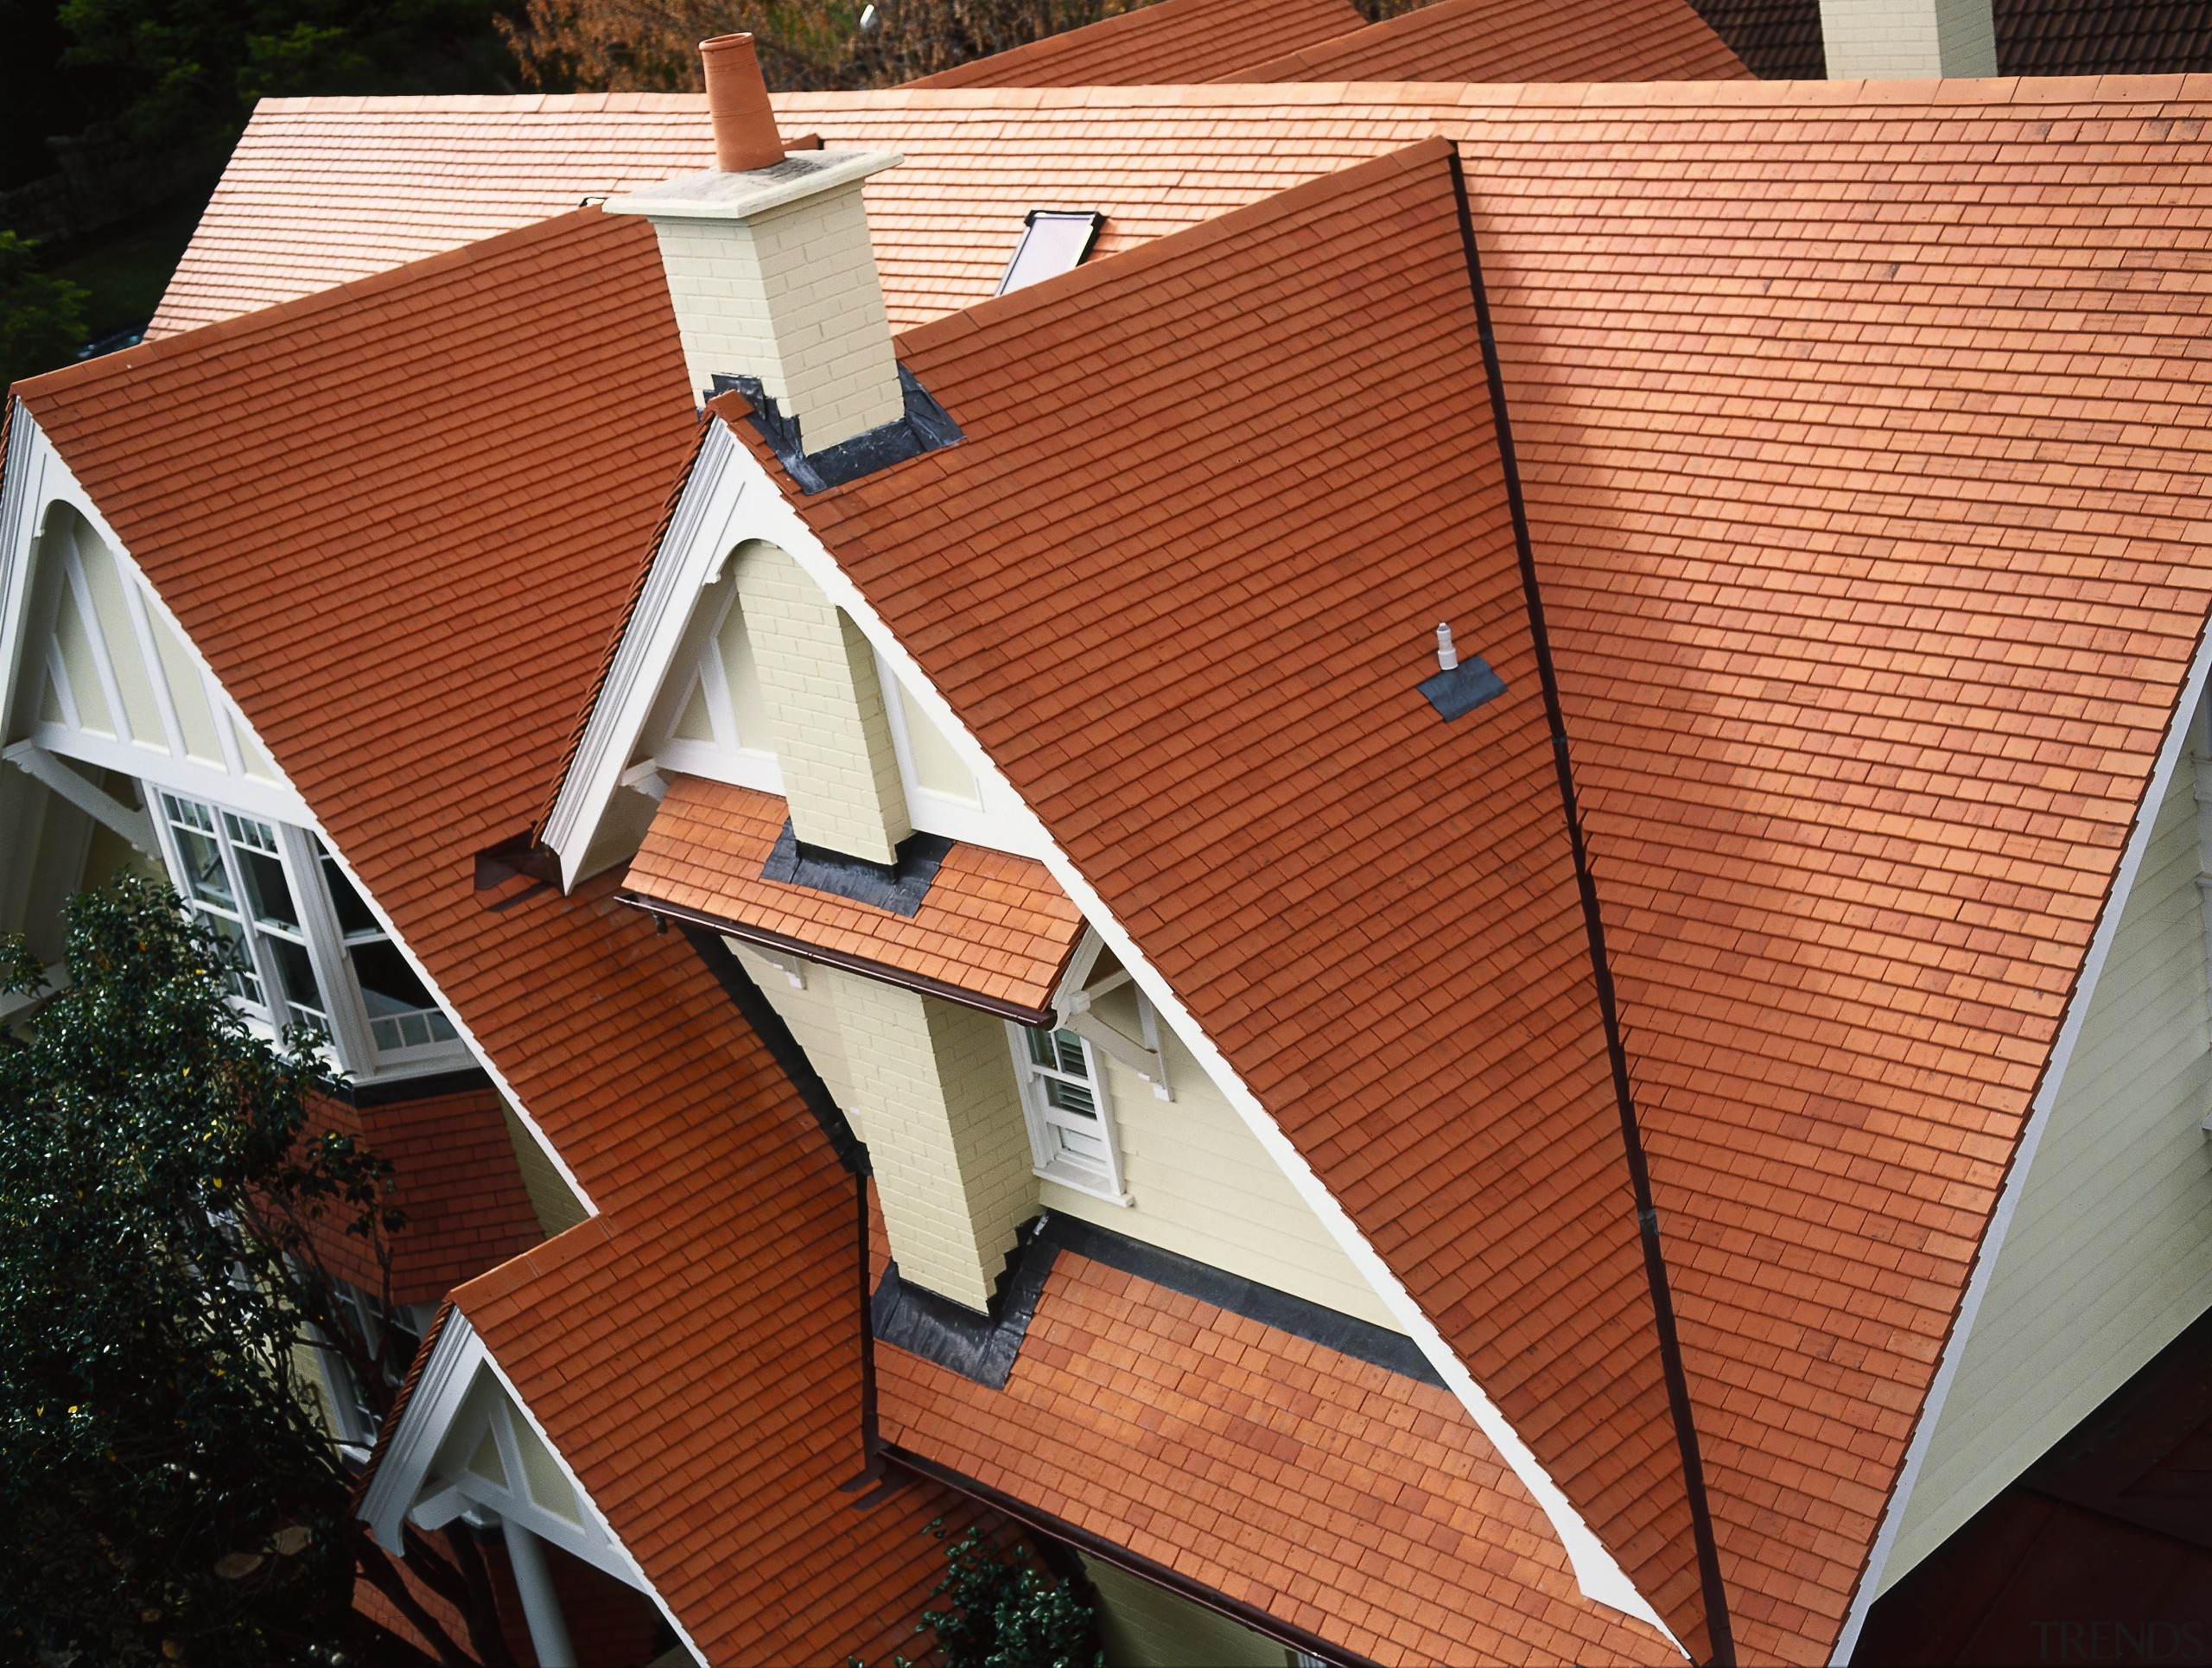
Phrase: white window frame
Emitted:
{"points": [[347, 1023], [1051, 1160]]}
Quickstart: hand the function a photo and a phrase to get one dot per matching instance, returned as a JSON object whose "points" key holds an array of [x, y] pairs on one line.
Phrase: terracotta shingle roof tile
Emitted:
{"points": [[991, 924], [1191, 657], [1506, 41], [1165, 42], [455, 1177], [1874, 562], [412, 645], [1873, 572], [1339, 1497]]}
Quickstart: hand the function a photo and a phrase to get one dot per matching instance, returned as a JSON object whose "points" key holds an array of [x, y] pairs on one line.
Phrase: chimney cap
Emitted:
{"points": [[737, 101]]}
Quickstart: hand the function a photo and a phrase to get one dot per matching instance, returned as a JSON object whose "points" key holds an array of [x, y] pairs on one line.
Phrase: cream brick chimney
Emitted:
{"points": [[1908, 39], [770, 264]]}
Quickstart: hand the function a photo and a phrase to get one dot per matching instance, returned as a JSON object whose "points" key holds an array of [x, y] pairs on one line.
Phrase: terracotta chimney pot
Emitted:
{"points": [[737, 99]]}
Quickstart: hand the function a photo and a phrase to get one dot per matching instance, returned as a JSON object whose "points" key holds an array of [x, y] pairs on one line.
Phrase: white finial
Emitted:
{"points": [[1447, 656]]}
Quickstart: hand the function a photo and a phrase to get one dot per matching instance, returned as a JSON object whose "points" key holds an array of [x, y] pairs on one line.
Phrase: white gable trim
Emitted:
{"points": [[769, 516], [37, 479], [442, 1392], [2024, 1158], [710, 520]]}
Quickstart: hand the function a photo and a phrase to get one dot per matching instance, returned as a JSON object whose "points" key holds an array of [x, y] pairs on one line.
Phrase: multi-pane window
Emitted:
{"points": [[402, 1013], [1070, 1129], [303, 946]]}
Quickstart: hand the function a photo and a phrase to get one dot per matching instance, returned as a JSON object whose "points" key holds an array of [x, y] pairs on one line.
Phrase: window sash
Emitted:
{"points": [[299, 932], [1070, 1122]]}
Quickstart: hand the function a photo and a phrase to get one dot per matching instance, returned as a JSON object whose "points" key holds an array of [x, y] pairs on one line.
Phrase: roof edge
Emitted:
{"points": [[2189, 698], [247, 326]]}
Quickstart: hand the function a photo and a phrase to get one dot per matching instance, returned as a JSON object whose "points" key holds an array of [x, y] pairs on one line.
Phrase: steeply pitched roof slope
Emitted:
{"points": [[1701, 277], [1182, 579], [1517, 40], [454, 1173], [1872, 545], [1165, 42], [402, 521]]}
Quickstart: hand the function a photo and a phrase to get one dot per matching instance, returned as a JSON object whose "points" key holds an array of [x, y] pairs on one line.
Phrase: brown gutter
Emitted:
{"points": [[851, 964], [1121, 1557]]}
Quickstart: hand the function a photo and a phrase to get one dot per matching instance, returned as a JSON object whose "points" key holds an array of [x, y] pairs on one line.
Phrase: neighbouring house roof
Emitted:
{"points": [[2097, 37], [1501, 40], [1865, 517], [991, 926], [453, 460], [1777, 40], [1170, 41], [1781, 38], [1340, 1496], [455, 1176]]}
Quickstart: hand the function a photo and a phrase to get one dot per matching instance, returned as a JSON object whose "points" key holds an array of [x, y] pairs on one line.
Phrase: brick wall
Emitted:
{"points": [[792, 296], [826, 710], [934, 1087]]}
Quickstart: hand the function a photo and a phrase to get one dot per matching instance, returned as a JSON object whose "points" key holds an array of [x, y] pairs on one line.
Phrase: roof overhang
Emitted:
{"points": [[459, 1400], [729, 498]]}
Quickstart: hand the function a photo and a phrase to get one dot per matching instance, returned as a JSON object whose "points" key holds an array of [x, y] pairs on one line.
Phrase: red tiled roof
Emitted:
{"points": [[1873, 566], [1341, 1498], [456, 1177], [991, 924], [1411, 998], [1516, 40], [383, 455], [1857, 426], [1170, 41]]}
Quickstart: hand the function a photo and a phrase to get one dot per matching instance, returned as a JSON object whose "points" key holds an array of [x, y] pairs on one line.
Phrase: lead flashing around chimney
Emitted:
{"points": [[923, 426], [713, 195]]}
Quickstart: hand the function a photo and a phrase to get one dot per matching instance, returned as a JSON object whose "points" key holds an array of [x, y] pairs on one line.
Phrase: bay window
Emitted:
{"points": [[303, 946]]}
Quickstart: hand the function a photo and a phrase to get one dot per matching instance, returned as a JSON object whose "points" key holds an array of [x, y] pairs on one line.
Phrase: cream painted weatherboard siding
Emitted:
{"points": [[2110, 1255], [1147, 1626], [1202, 1186], [826, 710], [552, 1200]]}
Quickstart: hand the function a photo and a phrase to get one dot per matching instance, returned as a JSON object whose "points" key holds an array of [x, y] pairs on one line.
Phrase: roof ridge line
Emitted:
{"points": [[283, 314], [1112, 268], [1993, 91]]}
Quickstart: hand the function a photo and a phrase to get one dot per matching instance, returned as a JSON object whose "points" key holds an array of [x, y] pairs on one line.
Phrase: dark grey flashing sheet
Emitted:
{"points": [[983, 1347], [923, 427], [899, 888], [1458, 692]]}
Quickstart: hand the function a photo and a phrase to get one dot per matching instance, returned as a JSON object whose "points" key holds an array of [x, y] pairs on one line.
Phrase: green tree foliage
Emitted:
{"points": [[41, 317], [166, 1492], [1002, 1611], [170, 71]]}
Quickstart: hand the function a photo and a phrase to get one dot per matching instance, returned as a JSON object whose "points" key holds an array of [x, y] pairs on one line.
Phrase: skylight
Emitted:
{"points": [[1055, 241]]}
